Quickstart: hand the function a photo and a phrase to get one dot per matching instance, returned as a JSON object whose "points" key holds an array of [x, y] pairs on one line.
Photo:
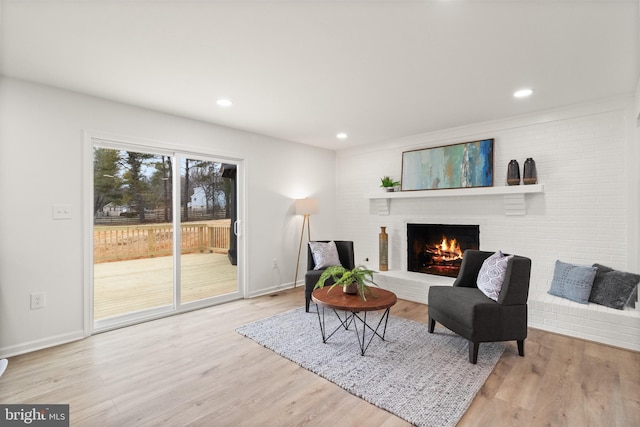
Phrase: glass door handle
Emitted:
{"points": [[236, 228]]}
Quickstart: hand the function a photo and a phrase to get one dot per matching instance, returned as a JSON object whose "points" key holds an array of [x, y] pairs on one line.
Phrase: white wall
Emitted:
{"points": [[41, 154], [586, 157], [583, 215]]}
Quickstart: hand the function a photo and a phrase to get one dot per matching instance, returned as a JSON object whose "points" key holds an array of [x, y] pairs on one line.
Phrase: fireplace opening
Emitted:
{"points": [[438, 248]]}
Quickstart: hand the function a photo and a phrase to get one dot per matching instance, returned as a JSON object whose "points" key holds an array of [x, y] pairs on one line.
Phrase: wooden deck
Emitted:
{"points": [[126, 286]]}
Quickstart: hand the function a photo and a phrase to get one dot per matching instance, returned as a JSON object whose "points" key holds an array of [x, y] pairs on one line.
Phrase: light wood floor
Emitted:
{"points": [[194, 369]]}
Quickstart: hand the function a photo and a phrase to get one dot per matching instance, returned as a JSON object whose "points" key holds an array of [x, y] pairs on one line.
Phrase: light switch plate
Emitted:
{"points": [[61, 211]]}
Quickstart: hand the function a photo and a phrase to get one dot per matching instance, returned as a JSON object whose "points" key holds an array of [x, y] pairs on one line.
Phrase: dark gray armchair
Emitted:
{"points": [[347, 259], [465, 310]]}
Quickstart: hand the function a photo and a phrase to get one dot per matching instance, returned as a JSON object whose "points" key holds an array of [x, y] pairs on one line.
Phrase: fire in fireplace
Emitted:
{"points": [[438, 248]]}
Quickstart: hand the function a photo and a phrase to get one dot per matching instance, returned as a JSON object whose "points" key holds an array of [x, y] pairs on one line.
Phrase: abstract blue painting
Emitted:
{"points": [[464, 165]]}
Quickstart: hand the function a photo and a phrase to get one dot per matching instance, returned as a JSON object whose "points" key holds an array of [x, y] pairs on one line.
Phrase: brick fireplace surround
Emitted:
{"points": [[585, 213]]}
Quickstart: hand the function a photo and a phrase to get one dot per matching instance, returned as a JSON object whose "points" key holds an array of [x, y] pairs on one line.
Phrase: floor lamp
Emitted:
{"points": [[304, 207]]}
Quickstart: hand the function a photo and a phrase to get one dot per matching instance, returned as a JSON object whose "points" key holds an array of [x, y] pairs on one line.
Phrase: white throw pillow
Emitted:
{"points": [[491, 275], [324, 254]]}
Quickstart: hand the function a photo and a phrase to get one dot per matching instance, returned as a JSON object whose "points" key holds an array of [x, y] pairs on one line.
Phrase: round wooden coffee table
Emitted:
{"points": [[336, 300]]}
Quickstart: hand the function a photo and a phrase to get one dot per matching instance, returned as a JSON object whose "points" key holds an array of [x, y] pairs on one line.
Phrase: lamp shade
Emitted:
{"points": [[306, 206]]}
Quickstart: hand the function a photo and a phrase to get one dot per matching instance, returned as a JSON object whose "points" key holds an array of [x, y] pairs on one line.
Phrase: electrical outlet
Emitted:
{"points": [[37, 300], [61, 211], [275, 263]]}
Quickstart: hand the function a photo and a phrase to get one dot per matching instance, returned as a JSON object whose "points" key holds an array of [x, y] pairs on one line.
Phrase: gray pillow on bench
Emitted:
{"points": [[573, 282], [613, 288]]}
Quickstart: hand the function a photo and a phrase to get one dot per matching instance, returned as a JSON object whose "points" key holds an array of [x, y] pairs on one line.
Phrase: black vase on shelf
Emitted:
{"points": [[513, 173], [530, 173]]}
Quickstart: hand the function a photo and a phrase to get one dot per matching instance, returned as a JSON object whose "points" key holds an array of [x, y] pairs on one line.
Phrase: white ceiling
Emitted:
{"points": [[304, 70]]}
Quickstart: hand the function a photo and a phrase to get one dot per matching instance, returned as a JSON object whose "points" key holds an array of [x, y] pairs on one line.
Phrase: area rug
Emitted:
{"points": [[425, 379]]}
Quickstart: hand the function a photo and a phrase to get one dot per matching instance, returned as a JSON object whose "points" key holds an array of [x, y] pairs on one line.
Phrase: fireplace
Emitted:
{"points": [[438, 248]]}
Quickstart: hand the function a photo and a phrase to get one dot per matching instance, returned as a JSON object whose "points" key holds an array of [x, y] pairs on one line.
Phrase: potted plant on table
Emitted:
{"points": [[354, 281], [388, 183]]}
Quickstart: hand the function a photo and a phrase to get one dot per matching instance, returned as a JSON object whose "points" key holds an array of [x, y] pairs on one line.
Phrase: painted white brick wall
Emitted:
{"points": [[582, 216]]}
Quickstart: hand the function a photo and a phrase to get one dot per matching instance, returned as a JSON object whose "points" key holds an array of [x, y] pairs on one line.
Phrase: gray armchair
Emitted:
{"points": [[347, 259], [465, 310]]}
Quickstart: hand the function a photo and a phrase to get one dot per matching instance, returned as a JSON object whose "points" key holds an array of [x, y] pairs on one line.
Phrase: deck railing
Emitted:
{"points": [[152, 240]]}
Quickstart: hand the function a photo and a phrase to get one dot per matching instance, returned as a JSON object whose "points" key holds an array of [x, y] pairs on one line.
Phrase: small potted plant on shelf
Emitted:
{"points": [[353, 281], [389, 184]]}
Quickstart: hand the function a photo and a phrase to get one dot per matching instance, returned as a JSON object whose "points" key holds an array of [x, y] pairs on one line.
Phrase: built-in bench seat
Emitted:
{"points": [[594, 322], [620, 328], [409, 285]]}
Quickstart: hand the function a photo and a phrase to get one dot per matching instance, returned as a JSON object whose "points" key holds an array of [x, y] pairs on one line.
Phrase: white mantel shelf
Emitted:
{"points": [[514, 196]]}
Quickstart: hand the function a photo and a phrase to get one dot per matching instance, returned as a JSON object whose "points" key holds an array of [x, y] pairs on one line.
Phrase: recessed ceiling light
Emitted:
{"points": [[342, 135], [522, 93], [224, 102]]}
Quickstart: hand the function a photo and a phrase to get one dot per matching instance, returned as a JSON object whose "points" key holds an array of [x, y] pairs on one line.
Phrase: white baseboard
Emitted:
{"points": [[35, 345], [274, 289]]}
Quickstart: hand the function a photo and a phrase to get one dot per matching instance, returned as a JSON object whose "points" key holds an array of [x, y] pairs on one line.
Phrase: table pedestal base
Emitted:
{"points": [[353, 318]]}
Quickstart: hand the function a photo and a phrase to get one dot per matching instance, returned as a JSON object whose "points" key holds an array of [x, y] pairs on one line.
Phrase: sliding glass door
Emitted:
{"points": [[163, 232], [208, 264]]}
